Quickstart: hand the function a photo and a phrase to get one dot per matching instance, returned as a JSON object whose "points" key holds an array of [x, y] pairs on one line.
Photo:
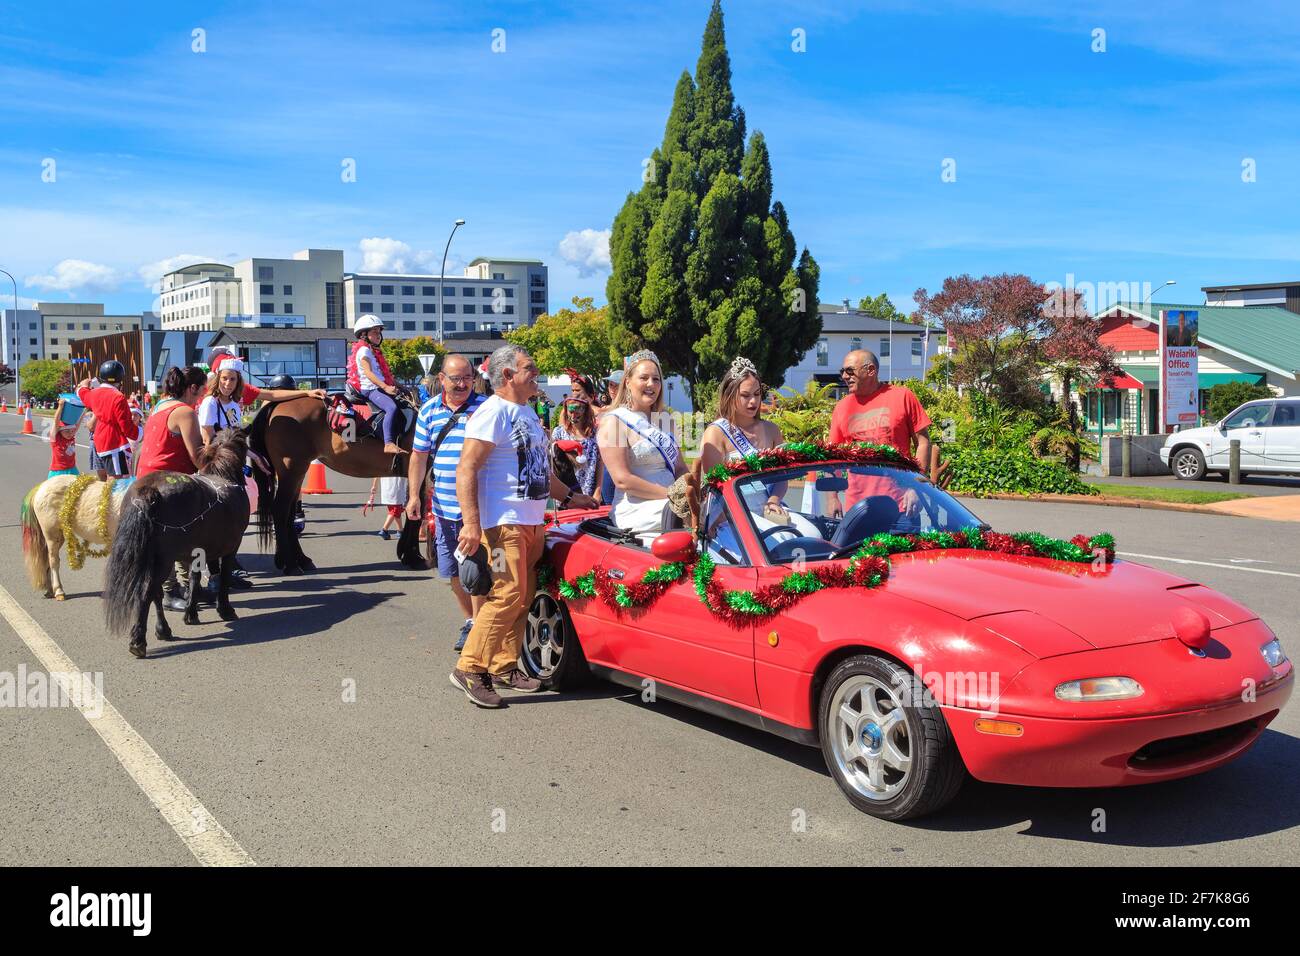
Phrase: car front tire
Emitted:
{"points": [[889, 750], [551, 652], [1188, 464]]}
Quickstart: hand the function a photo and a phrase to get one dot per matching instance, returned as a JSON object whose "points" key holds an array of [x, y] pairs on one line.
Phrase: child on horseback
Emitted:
{"points": [[115, 426], [368, 373]]}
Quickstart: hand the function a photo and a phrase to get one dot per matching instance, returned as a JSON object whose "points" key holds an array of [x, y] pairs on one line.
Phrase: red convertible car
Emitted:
{"points": [[876, 617]]}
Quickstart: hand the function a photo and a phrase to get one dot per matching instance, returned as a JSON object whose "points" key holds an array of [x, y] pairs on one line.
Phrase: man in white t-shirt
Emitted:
{"points": [[503, 482]]}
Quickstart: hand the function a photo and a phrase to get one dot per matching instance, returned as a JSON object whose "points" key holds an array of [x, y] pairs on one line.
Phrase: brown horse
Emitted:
{"points": [[289, 436], [169, 517]]}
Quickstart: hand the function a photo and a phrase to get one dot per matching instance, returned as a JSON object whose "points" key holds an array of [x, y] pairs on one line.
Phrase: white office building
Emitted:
{"points": [[905, 350], [305, 291], [46, 331], [493, 295]]}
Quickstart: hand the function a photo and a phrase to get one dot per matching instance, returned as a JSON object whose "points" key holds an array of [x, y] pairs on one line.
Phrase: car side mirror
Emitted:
{"points": [[674, 546]]}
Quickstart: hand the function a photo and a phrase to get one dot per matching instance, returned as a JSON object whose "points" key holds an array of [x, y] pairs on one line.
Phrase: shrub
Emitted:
{"points": [[1228, 396], [806, 415], [987, 471], [43, 379]]}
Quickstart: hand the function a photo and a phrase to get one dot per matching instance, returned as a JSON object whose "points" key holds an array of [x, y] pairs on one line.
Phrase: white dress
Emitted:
{"points": [[631, 511]]}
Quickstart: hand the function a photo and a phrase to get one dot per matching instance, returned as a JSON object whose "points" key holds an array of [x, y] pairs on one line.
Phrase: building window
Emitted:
{"points": [[408, 307], [385, 290], [823, 353], [118, 326], [510, 293], [385, 306], [916, 347], [54, 355], [884, 348], [536, 311], [537, 281], [365, 290], [288, 308], [509, 310], [429, 290], [408, 326], [855, 343], [498, 276], [536, 296], [449, 326], [430, 307], [466, 291], [469, 326], [265, 274], [266, 289], [104, 328], [469, 308], [390, 326], [54, 326], [54, 341], [288, 290], [430, 326], [408, 290], [448, 307], [367, 307], [446, 290], [268, 308]]}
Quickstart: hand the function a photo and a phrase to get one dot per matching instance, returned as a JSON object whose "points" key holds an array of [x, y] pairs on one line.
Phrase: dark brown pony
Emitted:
{"points": [[290, 435], [169, 517]]}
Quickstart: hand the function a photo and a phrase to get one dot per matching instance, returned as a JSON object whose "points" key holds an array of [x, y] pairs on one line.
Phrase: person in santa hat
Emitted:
{"points": [[251, 393]]}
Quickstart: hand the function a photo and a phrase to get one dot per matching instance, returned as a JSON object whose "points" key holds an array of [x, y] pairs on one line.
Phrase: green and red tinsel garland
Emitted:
{"points": [[868, 568], [794, 454]]}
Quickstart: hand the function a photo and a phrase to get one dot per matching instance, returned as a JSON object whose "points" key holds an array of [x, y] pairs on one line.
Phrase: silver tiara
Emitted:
{"points": [[641, 356], [742, 367]]}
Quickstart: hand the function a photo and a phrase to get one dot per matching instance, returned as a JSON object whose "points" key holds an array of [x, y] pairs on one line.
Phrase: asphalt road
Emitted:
{"points": [[252, 718]]}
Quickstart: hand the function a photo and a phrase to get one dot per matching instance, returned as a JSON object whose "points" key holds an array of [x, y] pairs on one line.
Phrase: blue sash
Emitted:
{"points": [[662, 443], [737, 438]]}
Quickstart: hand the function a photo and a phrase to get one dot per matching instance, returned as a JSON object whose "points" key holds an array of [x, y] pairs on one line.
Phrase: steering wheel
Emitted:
{"points": [[774, 530]]}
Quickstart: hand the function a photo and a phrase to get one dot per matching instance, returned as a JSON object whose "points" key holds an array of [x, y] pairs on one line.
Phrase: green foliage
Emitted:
{"points": [[704, 262], [881, 308], [581, 338], [986, 471], [804, 416], [403, 357], [1228, 396], [43, 379]]}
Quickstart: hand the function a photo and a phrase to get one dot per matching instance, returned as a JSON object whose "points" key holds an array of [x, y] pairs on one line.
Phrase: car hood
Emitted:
{"points": [[1087, 607], [1200, 433]]}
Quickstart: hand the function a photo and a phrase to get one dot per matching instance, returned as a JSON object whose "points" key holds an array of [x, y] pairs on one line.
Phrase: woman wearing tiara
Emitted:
{"points": [[638, 447]]}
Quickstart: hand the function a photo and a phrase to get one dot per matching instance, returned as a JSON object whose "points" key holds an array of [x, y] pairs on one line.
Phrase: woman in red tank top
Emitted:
{"points": [[171, 436]]}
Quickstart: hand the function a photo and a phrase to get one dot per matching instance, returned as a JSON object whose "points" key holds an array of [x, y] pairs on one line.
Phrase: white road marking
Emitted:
{"points": [[1208, 564], [202, 835]]}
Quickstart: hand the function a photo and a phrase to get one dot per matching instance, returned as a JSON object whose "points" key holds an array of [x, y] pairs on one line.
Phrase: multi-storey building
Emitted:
{"points": [[46, 331], [303, 292]]}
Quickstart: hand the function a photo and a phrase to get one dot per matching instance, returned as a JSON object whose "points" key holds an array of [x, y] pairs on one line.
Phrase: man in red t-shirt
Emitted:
{"points": [[115, 426], [881, 413]]}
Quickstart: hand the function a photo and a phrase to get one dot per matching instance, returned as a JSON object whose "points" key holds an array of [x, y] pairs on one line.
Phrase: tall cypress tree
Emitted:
{"points": [[703, 260]]}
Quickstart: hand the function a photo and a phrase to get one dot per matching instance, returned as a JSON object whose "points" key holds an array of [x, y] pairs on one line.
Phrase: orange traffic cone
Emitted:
{"points": [[4, 409], [315, 484], [27, 422]]}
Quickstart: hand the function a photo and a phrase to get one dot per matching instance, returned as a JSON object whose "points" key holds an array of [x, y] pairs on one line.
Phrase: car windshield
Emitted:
{"points": [[811, 513]]}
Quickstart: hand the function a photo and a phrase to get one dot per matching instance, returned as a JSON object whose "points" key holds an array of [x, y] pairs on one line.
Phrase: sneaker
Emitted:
{"points": [[517, 680], [464, 633], [477, 687], [385, 534], [174, 602], [239, 579]]}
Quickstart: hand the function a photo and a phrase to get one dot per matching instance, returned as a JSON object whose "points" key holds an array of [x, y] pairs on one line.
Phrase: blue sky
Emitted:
{"points": [[1123, 166]]}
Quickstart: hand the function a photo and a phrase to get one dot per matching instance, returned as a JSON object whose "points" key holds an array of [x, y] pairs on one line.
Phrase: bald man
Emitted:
{"points": [[881, 413], [440, 433]]}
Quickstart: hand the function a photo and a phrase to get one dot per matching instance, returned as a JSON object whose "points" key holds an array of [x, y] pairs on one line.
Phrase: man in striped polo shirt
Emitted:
{"points": [[440, 432]]}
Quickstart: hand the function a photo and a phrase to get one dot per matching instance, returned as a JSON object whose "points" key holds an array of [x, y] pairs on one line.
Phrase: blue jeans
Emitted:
{"points": [[389, 405]]}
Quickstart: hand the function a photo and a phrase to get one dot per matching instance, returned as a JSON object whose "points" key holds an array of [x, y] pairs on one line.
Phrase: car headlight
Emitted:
{"points": [[1099, 688], [1273, 653]]}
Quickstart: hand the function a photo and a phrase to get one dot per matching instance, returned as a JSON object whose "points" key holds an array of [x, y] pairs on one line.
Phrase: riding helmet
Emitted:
{"points": [[282, 381], [365, 323], [112, 372]]}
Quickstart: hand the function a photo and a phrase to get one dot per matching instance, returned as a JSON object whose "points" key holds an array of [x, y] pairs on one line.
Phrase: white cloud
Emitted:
{"points": [[587, 251], [77, 275], [394, 256], [151, 273]]}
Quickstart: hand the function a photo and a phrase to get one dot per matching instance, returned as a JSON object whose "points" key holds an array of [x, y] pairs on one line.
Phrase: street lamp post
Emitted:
{"points": [[1167, 282], [442, 273], [17, 383]]}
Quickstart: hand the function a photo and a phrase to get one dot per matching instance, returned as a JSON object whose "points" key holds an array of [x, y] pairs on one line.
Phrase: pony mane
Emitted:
{"points": [[224, 456]]}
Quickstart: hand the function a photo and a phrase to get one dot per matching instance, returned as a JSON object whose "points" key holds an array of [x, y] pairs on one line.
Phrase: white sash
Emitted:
{"points": [[737, 438], [662, 442]]}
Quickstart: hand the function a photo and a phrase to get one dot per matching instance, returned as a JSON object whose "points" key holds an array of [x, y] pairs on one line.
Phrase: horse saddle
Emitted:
{"points": [[368, 418]]}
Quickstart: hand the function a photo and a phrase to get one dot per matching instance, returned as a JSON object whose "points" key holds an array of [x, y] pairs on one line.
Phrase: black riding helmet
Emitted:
{"points": [[112, 371], [282, 381]]}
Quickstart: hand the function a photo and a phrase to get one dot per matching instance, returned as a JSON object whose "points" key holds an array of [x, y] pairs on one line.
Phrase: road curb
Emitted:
{"points": [[1099, 500]]}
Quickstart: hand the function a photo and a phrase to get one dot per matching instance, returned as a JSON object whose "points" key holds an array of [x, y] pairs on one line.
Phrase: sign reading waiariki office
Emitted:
{"points": [[1178, 368]]}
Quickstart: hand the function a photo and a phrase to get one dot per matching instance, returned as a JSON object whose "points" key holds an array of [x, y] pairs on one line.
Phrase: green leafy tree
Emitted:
{"points": [[881, 308], [403, 357], [1227, 397], [704, 262], [43, 379], [581, 338], [806, 415]]}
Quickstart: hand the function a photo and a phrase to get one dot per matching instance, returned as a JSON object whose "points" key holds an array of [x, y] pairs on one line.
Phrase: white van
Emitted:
{"points": [[1269, 432]]}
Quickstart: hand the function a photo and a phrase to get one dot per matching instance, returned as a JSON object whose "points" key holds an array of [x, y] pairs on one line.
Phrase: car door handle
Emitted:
{"points": [[616, 573]]}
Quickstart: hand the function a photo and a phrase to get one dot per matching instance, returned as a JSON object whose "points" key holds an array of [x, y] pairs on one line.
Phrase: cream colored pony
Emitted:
{"points": [[91, 518]]}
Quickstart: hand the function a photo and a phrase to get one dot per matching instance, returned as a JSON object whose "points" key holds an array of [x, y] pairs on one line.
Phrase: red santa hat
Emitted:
{"points": [[227, 358]]}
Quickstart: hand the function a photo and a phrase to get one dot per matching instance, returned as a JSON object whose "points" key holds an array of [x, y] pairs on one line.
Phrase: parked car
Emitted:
{"points": [[963, 658], [1269, 432]]}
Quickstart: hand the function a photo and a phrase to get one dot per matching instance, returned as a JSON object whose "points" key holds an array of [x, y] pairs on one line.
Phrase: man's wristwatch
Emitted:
{"points": [[567, 499]]}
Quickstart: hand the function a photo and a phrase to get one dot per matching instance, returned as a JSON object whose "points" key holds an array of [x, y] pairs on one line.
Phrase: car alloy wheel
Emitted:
{"points": [[869, 738], [1189, 465], [544, 638]]}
